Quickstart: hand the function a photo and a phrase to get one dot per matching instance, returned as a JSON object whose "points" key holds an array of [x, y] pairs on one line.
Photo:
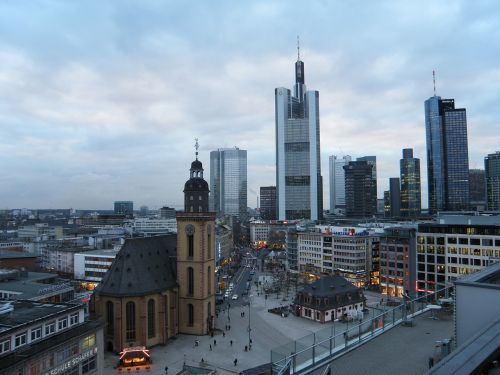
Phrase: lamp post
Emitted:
{"points": [[249, 328]]}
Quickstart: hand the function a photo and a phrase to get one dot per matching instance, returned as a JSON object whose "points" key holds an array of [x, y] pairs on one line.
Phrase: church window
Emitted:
{"points": [[190, 246], [110, 318], [190, 197], [200, 209], [209, 280], [151, 318], [190, 315], [199, 197], [190, 280], [209, 246], [130, 321]]}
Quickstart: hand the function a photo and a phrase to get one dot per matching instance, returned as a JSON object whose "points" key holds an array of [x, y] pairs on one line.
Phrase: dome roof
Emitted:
{"points": [[196, 184], [196, 165]]}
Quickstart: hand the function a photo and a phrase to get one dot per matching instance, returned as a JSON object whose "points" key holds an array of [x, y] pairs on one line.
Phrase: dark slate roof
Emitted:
{"points": [[143, 266], [196, 184], [330, 292]]}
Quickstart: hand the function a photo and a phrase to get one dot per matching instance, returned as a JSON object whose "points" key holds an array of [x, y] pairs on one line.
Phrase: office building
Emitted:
{"points": [[49, 338], [359, 190], [492, 173], [228, 182], [395, 196], [387, 203], [299, 188], [337, 182], [477, 189], [447, 155], [124, 208], [453, 247], [268, 202], [410, 184], [372, 160], [167, 213], [91, 266]]}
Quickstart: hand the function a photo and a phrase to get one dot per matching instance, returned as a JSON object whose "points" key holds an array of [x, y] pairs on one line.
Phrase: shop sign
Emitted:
{"points": [[72, 362]]}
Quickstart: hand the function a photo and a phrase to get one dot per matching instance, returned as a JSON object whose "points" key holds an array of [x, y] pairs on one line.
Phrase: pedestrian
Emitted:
{"points": [[246, 348], [229, 327], [231, 342], [202, 360], [210, 347], [223, 334], [235, 361], [166, 370], [215, 342]]}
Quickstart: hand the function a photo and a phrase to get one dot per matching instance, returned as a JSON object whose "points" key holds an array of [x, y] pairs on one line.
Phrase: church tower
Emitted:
{"points": [[196, 256]]}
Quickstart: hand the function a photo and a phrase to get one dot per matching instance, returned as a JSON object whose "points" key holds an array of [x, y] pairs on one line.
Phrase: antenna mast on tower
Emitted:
{"points": [[434, 81], [298, 48]]}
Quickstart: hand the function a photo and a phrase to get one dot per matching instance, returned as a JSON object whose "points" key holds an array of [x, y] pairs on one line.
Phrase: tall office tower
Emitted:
{"points": [[395, 194], [477, 189], [372, 160], [447, 155], [299, 187], [359, 189], [409, 168], [228, 182], [387, 203], [268, 202], [492, 172], [337, 181], [124, 208]]}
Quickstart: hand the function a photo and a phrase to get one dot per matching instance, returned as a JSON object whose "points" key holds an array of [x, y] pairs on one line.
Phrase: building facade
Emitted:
{"points": [[337, 182], [125, 208], [359, 189], [299, 187], [477, 189], [228, 182], [268, 202], [410, 184], [492, 174], [92, 266], [372, 160], [395, 196], [447, 155]]}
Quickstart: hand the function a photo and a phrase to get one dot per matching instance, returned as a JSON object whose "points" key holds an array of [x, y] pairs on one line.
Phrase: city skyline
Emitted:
{"points": [[101, 102]]}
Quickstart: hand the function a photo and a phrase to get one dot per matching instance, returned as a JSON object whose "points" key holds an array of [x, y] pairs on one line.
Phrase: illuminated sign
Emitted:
{"points": [[72, 362]]}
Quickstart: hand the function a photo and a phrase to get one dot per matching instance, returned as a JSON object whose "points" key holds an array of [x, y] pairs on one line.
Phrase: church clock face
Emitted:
{"points": [[189, 230]]}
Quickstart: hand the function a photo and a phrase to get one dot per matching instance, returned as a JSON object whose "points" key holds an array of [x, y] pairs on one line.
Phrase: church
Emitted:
{"points": [[161, 286]]}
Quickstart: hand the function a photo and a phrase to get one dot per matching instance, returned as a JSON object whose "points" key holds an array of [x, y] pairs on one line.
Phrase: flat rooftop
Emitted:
{"points": [[103, 252]]}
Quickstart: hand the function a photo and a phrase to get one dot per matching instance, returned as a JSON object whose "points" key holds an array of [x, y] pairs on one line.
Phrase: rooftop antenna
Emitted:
{"points": [[434, 81], [196, 146], [298, 48]]}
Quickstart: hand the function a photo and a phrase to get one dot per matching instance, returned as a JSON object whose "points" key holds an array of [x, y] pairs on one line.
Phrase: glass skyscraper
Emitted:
{"points": [[410, 184], [359, 189], [268, 202], [372, 160], [447, 155], [492, 172], [337, 181], [299, 192], [228, 182]]}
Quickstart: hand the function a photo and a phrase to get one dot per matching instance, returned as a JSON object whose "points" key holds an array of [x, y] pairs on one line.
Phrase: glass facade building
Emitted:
{"points": [[492, 172], [372, 160], [395, 196], [410, 184], [299, 192], [359, 189], [268, 202], [447, 155], [124, 208], [228, 182], [337, 181]]}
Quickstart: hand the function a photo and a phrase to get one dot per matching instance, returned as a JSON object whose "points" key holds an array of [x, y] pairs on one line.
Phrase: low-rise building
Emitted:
{"points": [[328, 299], [151, 227], [19, 260], [44, 338], [91, 266]]}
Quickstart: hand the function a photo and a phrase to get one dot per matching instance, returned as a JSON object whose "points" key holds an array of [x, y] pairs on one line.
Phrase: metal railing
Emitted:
{"points": [[319, 348]]}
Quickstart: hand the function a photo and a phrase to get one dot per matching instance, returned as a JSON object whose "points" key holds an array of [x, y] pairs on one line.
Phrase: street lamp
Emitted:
{"points": [[249, 328]]}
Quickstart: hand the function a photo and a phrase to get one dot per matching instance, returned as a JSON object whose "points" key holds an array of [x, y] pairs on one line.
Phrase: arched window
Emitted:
{"points": [[190, 315], [190, 280], [130, 321], [209, 280], [151, 318], [209, 246], [190, 245], [110, 318]]}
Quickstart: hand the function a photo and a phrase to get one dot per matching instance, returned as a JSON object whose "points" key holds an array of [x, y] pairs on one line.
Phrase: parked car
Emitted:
{"points": [[235, 296]]}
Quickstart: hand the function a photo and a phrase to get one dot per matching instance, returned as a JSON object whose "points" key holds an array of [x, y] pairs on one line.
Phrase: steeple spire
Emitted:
{"points": [[196, 146]]}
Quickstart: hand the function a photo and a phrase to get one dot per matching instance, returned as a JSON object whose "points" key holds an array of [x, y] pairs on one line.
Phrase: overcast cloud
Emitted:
{"points": [[102, 100]]}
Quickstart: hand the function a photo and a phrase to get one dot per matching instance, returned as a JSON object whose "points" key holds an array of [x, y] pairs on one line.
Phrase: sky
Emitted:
{"points": [[102, 100]]}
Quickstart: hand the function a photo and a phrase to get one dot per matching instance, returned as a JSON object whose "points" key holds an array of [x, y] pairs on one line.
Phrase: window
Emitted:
{"points": [[151, 318], [209, 247], [190, 281], [89, 364], [209, 280], [62, 323], [4, 346], [87, 342], [36, 333], [50, 328], [110, 318], [20, 339], [73, 319], [190, 245], [190, 315], [130, 321]]}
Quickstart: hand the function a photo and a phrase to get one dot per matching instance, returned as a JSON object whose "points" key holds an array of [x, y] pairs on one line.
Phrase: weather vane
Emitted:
{"points": [[196, 146]]}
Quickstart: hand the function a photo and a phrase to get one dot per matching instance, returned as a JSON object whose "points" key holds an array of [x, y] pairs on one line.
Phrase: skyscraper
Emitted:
{"points": [[395, 196], [410, 184], [477, 189], [372, 160], [228, 182], [298, 167], [447, 155], [359, 189], [337, 181], [124, 208], [268, 202], [492, 172]]}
